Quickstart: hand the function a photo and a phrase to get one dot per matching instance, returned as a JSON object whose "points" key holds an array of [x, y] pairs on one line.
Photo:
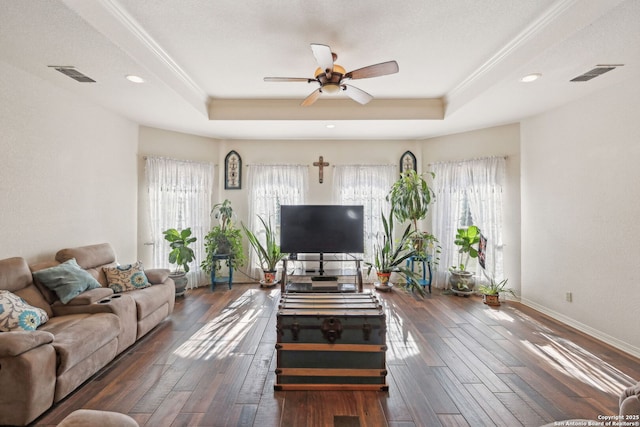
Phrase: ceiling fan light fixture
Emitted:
{"points": [[331, 88], [337, 69], [331, 77], [530, 78]]}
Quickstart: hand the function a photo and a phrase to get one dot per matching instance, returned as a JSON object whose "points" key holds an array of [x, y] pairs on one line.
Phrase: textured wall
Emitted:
{"points": [[580, 210], [67, 171]]}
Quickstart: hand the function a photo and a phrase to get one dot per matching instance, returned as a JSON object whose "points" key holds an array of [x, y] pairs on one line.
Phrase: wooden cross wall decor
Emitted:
{"points": [[321, 164]]}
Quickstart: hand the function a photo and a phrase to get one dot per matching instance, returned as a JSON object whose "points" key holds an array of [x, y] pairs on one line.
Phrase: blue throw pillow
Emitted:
{"points": [[67, 280]]}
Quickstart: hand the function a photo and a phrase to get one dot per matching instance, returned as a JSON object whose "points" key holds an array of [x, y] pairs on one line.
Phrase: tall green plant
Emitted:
{"points": [[269, 254], [410, 197], [181, 254], [390, 256], [467, 240], [224, 238]]}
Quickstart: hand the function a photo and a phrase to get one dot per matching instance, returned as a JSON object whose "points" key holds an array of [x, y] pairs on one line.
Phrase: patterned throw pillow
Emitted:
{"points": [[17, 315], [126, 277]]}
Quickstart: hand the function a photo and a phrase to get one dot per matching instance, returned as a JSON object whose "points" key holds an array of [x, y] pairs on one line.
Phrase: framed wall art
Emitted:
{"points": [[408, 162], [232, 171]]}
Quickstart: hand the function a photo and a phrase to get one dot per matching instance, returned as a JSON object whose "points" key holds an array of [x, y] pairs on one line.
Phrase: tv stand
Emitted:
{"points": [[320, 277]]}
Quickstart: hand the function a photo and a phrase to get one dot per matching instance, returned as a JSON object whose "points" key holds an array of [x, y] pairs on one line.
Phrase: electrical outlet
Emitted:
{"points": [[568, 296]]}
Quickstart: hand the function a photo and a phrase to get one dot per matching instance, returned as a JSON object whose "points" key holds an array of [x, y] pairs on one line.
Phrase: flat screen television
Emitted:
{"points": [[322, 228]]}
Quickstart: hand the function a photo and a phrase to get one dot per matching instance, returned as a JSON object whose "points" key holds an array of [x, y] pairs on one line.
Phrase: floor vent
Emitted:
{"points": [[73, 73], [592, 74]]}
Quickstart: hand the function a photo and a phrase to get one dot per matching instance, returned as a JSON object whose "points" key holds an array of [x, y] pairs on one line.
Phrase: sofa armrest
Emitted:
{"points": [[91, 296], [157, 276], [87, 298], [15, 343], [630, 401]]}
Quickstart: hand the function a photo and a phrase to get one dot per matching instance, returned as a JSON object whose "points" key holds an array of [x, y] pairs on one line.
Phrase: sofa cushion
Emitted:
{"points": [[78, 336], [128, 277], [17, 315], [67, 280], [14, 274], [92, 418], [150, 299], [92, 258], [33, 296]]}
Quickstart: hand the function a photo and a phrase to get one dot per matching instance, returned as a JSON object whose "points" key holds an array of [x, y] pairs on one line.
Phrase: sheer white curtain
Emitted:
{"points": [[180, 195], [366, 185], [269, 187], [469, 192]]}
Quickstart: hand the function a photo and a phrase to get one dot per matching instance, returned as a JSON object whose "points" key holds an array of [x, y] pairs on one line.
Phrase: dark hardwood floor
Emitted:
{"points": [[452, 361]]}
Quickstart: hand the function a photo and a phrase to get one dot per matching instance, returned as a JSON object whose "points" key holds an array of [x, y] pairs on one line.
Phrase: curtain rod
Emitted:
{"points": [[364, 164], [178, 160], [469, 160], [271, 164]]}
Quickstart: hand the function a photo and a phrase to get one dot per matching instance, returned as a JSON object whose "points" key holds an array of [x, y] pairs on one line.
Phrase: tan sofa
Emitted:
{"points": [[39, 368], [153, 304]]}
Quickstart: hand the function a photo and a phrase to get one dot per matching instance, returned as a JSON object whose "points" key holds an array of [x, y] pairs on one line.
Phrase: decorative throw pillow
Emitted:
{"points": [[67, 280], [17, 315], [126, 277]]}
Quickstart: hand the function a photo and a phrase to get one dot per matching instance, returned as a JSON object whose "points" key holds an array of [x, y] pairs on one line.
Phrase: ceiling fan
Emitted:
{"points": [[331, 77]]}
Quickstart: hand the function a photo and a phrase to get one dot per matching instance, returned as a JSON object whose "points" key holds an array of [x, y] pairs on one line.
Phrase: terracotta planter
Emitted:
{"points": [[383, 278], [493, 300], [269, 276], [268, 279]]}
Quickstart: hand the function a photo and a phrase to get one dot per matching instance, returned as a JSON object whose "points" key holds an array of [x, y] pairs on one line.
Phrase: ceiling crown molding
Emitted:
{"points": [[558, 22], [112, 20]]}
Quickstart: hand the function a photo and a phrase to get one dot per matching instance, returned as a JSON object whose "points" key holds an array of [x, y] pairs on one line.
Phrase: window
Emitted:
{"points": [[469, 193], [269, 187], [366, 185], [179, 197]]}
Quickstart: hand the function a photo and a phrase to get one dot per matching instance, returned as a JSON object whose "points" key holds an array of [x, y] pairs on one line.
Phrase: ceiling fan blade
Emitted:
{"points": [[288, 79], [376, 70], [313, 97], [323, 56], [357, 95]]}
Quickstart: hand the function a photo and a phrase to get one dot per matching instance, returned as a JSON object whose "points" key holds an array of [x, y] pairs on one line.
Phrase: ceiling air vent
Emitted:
{"points": [[598, 71], [73, 73]]}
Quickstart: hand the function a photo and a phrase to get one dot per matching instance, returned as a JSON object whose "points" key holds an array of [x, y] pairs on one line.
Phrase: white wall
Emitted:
{"points": [[189, 147], [496, 141], [66, 171], [580, 211], [305, 153]]}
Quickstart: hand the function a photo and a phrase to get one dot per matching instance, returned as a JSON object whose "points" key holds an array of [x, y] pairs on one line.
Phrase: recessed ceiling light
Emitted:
{"points": [[134, 79], [330, 126], [531, 78]]}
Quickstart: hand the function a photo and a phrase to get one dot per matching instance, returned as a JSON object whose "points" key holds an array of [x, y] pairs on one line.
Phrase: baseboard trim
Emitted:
{"points": [[612, 341]]}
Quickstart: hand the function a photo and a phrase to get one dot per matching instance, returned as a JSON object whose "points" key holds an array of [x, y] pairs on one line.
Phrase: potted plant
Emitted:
{"points": [[223, 239], [389, 257], [429, 248], [410, 197], [181, 255], [491, 292], [269, 254], [467, 239]]}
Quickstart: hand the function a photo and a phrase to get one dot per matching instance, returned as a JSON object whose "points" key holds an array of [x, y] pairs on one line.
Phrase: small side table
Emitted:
{"points": [[229, 279], [426, 266]]}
